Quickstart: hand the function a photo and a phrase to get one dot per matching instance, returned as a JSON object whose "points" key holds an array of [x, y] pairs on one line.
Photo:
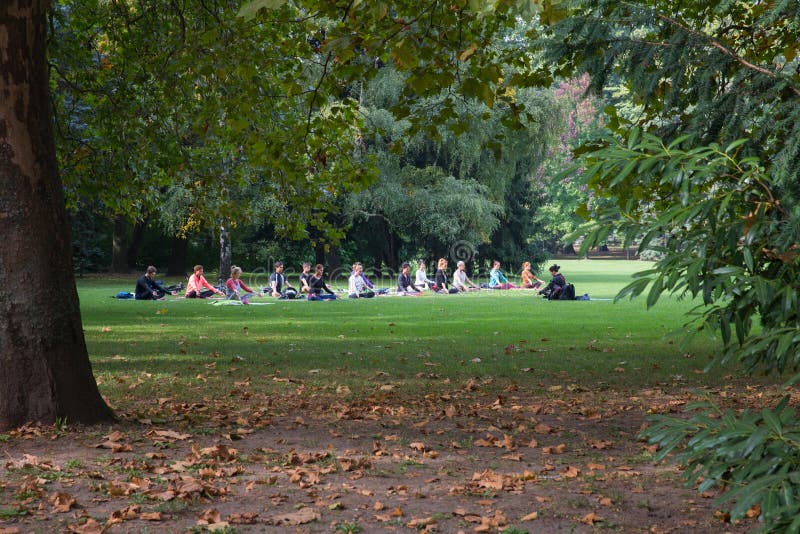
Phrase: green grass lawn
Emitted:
{"points": [[188, 348]]}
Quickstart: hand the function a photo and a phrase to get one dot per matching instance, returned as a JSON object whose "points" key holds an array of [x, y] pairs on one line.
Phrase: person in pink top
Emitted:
{"points": [[198, 287], [236, 289]]}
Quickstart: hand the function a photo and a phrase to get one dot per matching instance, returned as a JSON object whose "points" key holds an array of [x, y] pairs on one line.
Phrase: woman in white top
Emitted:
{"points": [[421, 280], [460, 279], [356, 286]]}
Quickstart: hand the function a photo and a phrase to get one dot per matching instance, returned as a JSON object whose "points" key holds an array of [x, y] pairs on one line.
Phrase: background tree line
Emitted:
{"points": [[155, 103]]}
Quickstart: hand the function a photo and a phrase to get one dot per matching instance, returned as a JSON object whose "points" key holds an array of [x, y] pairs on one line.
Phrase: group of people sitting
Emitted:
{"points": [[314, 287]]}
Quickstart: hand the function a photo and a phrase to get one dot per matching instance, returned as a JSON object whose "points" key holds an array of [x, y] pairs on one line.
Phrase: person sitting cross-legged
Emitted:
{"points": [[440, 279], [357, 287], [147, 288], [460, 279], [497, 280], [421, 279], [404, 284], [553, 290], [198, 287], [278, 286], [529, 280], [236, 289], [316, 285]]}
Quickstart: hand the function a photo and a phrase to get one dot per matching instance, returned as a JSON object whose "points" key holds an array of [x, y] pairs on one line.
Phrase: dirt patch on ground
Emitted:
{"points": [[565, 461]]}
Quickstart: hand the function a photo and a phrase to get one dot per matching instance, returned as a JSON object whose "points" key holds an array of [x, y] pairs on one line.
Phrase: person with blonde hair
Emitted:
{"points": [[356, 285], [529, 280], [236, 289], [440, 279]]}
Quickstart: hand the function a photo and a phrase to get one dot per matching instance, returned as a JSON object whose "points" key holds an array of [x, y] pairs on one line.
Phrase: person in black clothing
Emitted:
{"points": [[556, 285], [147, 288], [277, 284], [404, 284], [305, 277], [440, 280], [316, 285]]}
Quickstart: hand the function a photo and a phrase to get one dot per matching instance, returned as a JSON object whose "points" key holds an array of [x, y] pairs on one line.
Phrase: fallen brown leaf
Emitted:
{"points": [[89, 527], [300, 517], [591, 518], [62, 502]]}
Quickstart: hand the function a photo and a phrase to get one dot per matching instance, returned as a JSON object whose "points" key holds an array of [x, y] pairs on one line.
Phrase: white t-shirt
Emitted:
{"points": [[355, 284], [460, 279], [421, 279]]}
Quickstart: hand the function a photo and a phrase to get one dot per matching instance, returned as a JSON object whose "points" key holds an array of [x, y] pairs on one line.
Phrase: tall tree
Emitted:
{"points": [[708, 163], [46, 370], [446, 191]]}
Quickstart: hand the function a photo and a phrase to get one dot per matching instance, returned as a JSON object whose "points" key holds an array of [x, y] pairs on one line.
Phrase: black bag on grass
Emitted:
{"points": [[567, 293]]}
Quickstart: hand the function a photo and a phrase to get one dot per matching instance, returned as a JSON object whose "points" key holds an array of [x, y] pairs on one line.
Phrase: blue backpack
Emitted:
{"points": [[124, 295]]}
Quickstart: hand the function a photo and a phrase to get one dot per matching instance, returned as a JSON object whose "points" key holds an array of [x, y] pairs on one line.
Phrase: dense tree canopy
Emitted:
{"points": [[445, 191], [705, 158]]}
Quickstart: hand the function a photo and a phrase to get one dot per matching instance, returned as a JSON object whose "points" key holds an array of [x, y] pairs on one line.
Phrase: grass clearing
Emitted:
{"points": [[403, 345], [493, 410]]}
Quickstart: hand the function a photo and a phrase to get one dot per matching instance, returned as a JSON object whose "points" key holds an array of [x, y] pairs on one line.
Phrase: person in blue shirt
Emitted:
{"points": [[497, 280]]}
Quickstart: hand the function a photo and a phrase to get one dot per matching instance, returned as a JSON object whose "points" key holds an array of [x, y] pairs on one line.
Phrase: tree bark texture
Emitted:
{"points": [[46, 372], [135, 244], [225, 253], [177, 257], [119, 246]]}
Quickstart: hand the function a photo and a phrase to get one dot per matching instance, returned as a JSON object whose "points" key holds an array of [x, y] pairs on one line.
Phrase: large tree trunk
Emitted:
{"points": [[46, 372], [136, 242], [225, 253], [119, 246], [177, 257]]}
